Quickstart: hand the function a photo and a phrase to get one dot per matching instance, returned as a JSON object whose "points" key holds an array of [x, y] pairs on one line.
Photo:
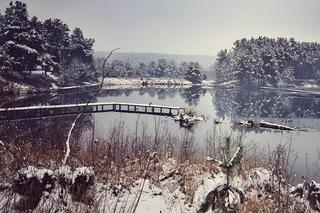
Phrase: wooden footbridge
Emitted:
{"points": [[16, 113]]}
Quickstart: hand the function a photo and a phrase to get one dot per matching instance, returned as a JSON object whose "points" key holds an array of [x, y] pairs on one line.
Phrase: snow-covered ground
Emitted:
{"points": [[174, 190], [154, 81], [147, 81]]}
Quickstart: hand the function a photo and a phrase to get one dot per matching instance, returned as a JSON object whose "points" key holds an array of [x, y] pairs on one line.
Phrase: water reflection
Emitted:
{"points": [[264, 104], [227, 105], [190, 95], [193, 94]]}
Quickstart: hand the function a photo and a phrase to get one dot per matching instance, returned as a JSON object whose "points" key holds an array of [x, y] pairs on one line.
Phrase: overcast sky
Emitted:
{"points": [[181, 26]]}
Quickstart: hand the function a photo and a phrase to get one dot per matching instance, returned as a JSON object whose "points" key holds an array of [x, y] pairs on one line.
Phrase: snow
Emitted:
{"points": [[147, 81], [85, 104], [83, 171], [64, 172], [234, 156], [32, 171], [208, 83], [66, 156], [311, 86], [53, 76], [228, 84], [27, 49], [75, 87], [164, 196], [189, 119], [275, 126], [54, 86]]}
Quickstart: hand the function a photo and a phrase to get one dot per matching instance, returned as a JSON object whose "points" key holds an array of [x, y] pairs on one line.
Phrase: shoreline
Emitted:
{"points": [[137, 83]]}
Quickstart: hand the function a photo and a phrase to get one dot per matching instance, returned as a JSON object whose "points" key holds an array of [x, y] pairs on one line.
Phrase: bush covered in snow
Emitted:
{"points": [[30, 185]]}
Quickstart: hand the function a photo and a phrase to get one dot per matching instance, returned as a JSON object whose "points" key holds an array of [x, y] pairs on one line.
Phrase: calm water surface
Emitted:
{"points": [[226, 105]]}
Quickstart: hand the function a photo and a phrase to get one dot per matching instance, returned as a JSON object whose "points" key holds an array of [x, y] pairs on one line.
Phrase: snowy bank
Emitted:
{"points": [[146, 81], [154, 82], [179, 187]]}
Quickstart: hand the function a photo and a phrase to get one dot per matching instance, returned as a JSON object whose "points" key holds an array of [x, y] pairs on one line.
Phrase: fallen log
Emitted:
{"points": [[264, 124]]}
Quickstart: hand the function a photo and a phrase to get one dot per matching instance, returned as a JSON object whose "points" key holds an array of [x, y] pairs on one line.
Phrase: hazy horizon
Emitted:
{"points": [[183, 27]]}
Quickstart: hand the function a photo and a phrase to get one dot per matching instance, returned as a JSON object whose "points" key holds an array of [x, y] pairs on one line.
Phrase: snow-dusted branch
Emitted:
{"points": [[104, 75]]}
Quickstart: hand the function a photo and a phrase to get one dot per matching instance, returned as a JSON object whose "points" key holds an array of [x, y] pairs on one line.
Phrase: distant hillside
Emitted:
{"points": [[134, 58]]}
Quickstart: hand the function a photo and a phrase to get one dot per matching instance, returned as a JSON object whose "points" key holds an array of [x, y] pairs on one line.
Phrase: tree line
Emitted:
{"points": [[191, 71], [27, 44], [271, 61]]}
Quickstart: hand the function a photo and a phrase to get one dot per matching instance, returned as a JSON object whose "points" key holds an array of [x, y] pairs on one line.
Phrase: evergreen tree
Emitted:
{"points": [[56, 35], [268, 61], [81, 47], [18, 38], [219, 198], [152, 69], [161, 69], [193, 73], [27, 44]]}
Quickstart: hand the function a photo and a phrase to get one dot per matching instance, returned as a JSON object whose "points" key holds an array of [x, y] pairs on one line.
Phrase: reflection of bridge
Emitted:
{"points": [[15, 113]]}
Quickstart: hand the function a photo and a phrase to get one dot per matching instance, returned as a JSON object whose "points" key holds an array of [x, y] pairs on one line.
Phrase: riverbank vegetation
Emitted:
{"points": [[144, 168]]}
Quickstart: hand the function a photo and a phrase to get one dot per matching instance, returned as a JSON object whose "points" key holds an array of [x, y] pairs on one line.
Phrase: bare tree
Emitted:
{"points": [[104, 76]]}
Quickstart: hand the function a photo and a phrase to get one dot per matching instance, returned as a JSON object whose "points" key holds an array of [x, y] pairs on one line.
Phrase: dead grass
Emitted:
{"points": [[121, 157]]}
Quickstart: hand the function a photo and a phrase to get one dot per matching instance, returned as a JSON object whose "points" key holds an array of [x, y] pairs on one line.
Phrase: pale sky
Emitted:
{"points": [[181, 26]]}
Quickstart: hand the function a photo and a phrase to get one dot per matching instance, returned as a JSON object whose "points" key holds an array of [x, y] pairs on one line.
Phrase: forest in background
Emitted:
{"points": [[269, 61], [28, 44]]}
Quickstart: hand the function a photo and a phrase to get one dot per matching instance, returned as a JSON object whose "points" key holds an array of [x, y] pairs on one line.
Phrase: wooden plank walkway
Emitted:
{"points": [[16, 113]]}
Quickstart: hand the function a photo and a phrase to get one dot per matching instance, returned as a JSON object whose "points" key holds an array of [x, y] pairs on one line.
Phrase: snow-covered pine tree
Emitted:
{"points": [[57, 41], [222, 197], [81, 47], [21, 41], [193, 73]]}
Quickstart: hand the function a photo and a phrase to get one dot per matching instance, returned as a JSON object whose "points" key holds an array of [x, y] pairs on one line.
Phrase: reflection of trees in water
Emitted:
{"points": [[128, 92], [261, 103], [193, 94], [161, 93], [42, 134], [51, 99]]}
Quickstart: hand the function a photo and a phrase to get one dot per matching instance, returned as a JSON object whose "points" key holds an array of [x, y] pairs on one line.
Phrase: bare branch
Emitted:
{"points": [[89, 100]]}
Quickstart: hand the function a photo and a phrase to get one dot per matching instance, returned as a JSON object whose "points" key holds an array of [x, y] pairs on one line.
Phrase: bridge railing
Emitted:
{"points": [[67, 109]]}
